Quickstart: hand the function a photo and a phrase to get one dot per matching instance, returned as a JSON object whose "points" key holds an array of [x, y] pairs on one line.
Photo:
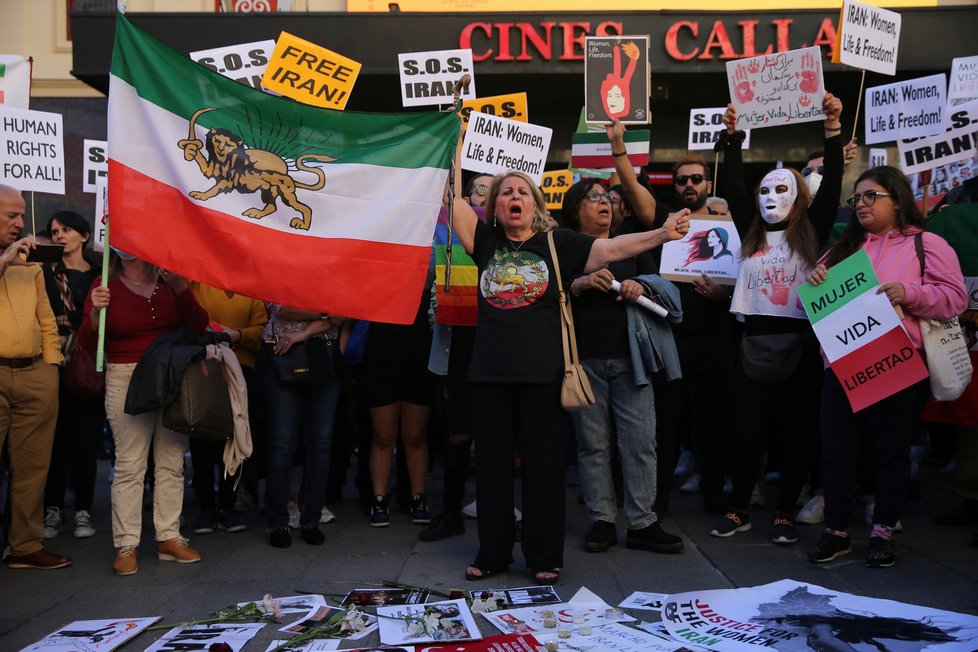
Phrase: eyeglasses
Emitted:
{"points": [[806, 171], [596, 196], [868, 198], [697, 179], [481, 189]]}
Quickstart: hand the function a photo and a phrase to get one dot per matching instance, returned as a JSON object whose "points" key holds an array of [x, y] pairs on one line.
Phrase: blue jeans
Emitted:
{"points": [[630, 411], [289, 414]]}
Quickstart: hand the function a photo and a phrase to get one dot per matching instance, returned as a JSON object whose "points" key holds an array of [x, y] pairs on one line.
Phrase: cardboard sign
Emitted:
{"points": [[309, 73], [963, 84], [616, 79], [591, 150], [877, 157], [512, 106], [907, 109], [244, 63], [493, 145], [777, 89], [95, 163], [15, 81], [32, 152], [710, 247], [860, 333], [427, 77], [868, 37], [555, 183], [957, 143], [705, 127]]}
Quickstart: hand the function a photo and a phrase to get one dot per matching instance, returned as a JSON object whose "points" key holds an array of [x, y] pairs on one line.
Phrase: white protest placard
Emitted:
{"points": [[95, 163], [963, 84], [907, 109], [427, 77], [245, 63], [32, 152], [846, 329], [15, 81], [868, 37], [705, 127], [493, 145], [877, 157], [92, 635], [777, 89], [200, 637], [101, 208], [957, 143], [710, 247]]}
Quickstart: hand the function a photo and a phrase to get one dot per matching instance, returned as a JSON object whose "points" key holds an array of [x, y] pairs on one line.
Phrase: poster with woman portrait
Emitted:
{"points": [[616, 79], [711, 247]]}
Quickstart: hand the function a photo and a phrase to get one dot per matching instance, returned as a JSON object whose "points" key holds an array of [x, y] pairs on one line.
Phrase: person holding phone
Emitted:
{"points": [[29, 356]]}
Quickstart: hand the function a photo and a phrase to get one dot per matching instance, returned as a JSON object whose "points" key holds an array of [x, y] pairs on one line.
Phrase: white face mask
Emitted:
{"points": [[775, 202], [813, 181]]}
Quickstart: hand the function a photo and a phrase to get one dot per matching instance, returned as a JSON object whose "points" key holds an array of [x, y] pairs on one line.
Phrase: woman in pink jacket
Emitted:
{"points": [[885, 223]]}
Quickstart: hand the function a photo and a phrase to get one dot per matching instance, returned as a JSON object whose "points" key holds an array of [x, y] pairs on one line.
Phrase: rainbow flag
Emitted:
{"points": [[458, 307]]}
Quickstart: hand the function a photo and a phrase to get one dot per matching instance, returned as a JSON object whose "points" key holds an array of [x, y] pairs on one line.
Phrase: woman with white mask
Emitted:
{"points": [[778, 379]]}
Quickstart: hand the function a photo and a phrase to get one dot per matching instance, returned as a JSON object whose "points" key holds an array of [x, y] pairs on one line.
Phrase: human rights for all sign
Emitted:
{"points": [[868, 37], [777, 89], [860, 333], [309, 73], [907, 109], [245, 63], [32, 153], [493, 145], [705, 127], [427, 78]]}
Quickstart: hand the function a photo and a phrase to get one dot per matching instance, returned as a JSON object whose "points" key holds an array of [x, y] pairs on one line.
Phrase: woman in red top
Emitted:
{"points": [[146, 303]]}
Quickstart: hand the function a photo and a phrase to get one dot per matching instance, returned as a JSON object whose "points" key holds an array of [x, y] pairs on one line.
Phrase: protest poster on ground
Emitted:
{"points": [[201, 637], [611, 91], [907, 109], [784, 88], [511, 105], [448, 620], [362, 623], [568, 613], [292, 604], [957, 143], [245, 63], [523, 595], [711, 247], [962, 85], [95, 163], [877, 156], [861, 334], [15, 81], [92, 635], [377, 597], [591, 150], [32, 152], [427, 78], [868, 37], [315, 645], [790, 615], [705, 127], [310, 73], [555, 183], [644, 600], [493, 145]]}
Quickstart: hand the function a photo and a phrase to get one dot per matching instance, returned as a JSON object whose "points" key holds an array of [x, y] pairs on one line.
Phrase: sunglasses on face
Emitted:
{"points": [[481, 188], [596, 196], [806, 171], [868, 198], [697, 179]]}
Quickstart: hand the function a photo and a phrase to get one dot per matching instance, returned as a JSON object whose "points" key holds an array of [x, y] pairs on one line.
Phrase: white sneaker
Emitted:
{"points": [[470, 511], [295, 517], [83, 525], [692, 484], [518, 514], [686, 464], [870, 508], [326, 517], [813, 512], [52, 521]]}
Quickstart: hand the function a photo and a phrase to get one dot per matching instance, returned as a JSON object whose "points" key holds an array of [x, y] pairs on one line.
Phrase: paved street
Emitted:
{"points": [[935, 566]]}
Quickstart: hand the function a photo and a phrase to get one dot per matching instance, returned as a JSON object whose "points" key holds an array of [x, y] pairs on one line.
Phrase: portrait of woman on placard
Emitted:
{"points": [[708, 245]]}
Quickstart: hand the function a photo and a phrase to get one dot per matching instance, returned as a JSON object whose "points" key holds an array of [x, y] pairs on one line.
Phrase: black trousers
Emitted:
{"points": [[75, 450], [528, 418]]}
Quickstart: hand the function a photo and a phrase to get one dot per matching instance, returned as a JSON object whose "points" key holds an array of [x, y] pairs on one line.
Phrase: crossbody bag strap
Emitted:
{"points": [[918, 243], [567, 319]]}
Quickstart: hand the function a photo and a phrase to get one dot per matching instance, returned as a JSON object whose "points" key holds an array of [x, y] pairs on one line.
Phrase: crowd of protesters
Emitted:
{"points": [[731, 384]]}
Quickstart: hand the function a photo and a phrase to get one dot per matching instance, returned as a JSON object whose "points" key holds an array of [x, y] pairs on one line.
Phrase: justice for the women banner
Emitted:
{"points": [[860, 333]]}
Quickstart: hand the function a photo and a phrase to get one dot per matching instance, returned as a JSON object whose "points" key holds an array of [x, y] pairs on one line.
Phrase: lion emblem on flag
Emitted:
{"points": [[236, 167]]}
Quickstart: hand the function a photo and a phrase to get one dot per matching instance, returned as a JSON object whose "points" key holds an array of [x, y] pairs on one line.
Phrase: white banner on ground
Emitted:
{"points": [[32, 152], [493, 145], [877, 157], [963, 84], [868, 37], [777, 89], [95, 163], [92, 635], [427, 77], [245, 63], [907, 109], [200, 637], [705, 127]]}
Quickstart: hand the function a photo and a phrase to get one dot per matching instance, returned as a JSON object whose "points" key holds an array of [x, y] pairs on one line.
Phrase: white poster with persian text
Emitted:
{"points": [[777, 89]]}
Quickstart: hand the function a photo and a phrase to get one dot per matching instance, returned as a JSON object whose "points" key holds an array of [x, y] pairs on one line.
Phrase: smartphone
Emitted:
{"points": [[46, 253]]}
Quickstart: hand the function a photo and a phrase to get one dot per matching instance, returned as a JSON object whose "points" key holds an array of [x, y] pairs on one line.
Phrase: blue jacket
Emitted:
{"points": [[650, 336]]}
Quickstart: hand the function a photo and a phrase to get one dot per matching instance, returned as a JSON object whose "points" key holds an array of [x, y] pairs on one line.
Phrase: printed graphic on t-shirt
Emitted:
{"points": [[514, 279], [775, 273]]}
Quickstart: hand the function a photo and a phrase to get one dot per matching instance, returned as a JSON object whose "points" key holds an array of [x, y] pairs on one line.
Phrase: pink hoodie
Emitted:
{"points": [[941, 294]]}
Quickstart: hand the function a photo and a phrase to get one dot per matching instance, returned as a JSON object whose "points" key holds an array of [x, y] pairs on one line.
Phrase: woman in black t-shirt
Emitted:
{"points": [[517, 365]]}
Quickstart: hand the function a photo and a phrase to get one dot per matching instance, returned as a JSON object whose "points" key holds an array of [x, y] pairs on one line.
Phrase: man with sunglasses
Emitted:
{"points": [[478, 189]]}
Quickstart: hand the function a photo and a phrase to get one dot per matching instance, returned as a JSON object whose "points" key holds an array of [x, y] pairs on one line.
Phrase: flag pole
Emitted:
{"points": [[716, 170], [33, 221], [461, 84], [100, 350], [859, 103]]}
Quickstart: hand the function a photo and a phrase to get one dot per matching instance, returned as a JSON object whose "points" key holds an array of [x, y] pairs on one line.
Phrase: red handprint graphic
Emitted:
{"points": [[742, 85], [616, 95], [780, 291], [809, 73]]}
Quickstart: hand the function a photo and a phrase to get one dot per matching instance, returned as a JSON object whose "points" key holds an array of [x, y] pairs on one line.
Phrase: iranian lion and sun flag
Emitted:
{"points": [[331, 211]]}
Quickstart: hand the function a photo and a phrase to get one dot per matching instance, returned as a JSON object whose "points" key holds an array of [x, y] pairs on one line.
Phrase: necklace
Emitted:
{"points": [[516, 247], [126, 278]]}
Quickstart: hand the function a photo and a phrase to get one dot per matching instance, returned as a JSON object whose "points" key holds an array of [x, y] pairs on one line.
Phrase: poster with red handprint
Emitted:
{"points": [[777, 89], [616, 79]]}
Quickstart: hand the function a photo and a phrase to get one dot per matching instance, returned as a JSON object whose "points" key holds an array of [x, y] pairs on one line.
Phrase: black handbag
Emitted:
{"points": [[771, 358], [305, 364], [202, 408]]}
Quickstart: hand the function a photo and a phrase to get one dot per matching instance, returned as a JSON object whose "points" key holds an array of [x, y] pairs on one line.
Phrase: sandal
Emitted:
{"points": [[475, 573], [547, 577]]}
